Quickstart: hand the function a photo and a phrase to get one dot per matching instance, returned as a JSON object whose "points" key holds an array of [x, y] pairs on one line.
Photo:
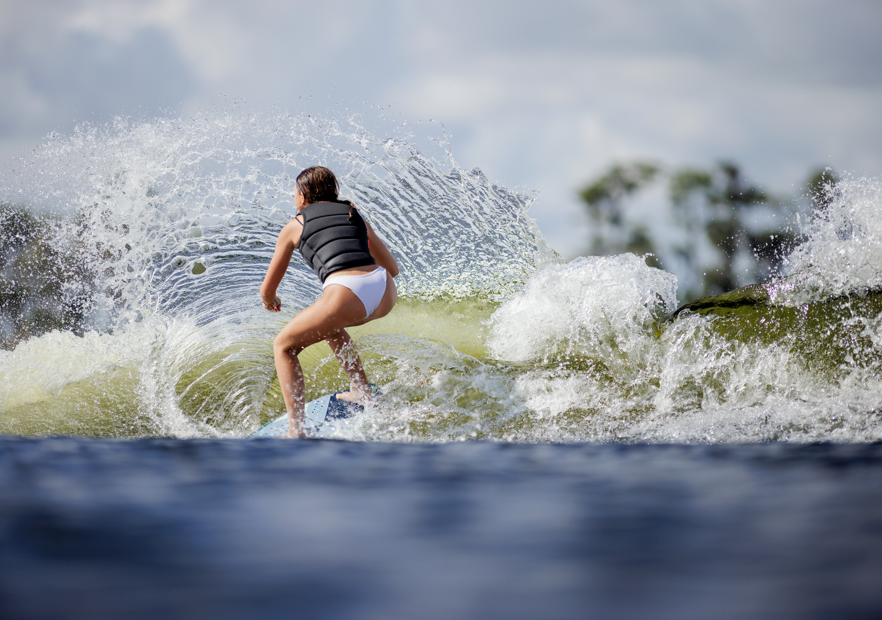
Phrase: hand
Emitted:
{"points": [[274, 306]]}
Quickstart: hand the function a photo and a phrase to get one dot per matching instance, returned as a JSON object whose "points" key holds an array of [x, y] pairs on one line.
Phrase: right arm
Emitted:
{"points": [[285, 246]]}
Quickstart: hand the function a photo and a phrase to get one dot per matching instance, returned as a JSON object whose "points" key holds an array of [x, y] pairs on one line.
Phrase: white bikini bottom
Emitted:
{"points": [[369, 287]]}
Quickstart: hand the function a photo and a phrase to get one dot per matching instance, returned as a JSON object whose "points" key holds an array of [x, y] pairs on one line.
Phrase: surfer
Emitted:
{"points": [[356, 269]]}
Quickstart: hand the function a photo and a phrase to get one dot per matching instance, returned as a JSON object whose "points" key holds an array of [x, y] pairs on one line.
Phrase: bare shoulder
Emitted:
{"points": [[367, 225], [290, 233]]}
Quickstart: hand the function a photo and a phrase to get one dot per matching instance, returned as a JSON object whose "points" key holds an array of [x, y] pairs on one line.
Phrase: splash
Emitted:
{"points": [[173, 222], [604, 305], [842, 251]]}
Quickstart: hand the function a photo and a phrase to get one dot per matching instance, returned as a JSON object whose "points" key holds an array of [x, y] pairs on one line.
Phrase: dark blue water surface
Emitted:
{"points": [[326, 529]]}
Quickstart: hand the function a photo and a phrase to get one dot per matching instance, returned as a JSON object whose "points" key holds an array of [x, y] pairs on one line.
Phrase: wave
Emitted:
{"points": [[173, 222]]}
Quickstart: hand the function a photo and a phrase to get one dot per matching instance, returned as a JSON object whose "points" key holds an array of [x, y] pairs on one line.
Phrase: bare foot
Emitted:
{"points": [[355, 396]]}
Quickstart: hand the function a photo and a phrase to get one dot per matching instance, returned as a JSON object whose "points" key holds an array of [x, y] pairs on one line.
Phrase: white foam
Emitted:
{"points": [[602, 305], [842, 253], [577, 352], [38, 369]]}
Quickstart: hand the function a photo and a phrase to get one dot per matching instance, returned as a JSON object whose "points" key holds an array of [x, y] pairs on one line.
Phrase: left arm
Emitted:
{"points": [[380, 252]]}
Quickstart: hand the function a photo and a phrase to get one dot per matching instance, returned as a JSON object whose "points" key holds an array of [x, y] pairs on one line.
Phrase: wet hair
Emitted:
{"points": [[318, 184]]}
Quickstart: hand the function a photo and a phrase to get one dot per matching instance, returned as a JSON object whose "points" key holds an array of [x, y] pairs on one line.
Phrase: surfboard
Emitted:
{"points": [[324, 416]]}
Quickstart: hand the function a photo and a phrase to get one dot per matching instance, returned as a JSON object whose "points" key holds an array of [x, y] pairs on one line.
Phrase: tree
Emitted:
{"points": [[43, 285], [605, 197], [723, 196], [821, 188], [720, 231]]}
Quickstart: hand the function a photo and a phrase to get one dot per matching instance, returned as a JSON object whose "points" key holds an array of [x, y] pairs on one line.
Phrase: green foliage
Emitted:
{"points": [[620, 181], [640, 244], [604, 199], [716, 211], [721, 196], [683, 183], [821, 187], [43, 284]]}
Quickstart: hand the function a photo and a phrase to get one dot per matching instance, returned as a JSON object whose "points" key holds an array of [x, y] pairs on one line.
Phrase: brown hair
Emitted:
{"points": [[318, 184]]}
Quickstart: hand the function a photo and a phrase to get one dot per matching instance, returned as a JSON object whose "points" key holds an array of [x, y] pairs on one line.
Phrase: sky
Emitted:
{"points": [[538, 95]]}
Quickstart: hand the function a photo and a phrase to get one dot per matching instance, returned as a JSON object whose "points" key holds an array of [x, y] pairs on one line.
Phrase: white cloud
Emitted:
{"points": [[538, 95], [210, 40], [453, 96]]}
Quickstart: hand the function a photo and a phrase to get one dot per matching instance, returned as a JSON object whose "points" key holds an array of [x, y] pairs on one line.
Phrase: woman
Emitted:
{"points": [[356, 269]]}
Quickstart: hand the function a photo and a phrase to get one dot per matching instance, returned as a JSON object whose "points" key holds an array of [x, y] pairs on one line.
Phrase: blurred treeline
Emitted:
{"points": [[709, 226], [44, 282]]}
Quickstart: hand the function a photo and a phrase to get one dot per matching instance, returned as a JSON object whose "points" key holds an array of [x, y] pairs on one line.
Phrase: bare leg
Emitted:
{"points": [[343, 347], [293, 388], [326, 319], [360, 391], [338, 307]]}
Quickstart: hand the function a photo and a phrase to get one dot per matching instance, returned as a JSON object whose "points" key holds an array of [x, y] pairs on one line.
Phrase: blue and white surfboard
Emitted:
{"points": [[324, 416]]}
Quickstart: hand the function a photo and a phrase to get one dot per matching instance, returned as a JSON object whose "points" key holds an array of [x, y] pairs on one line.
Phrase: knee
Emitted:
{"points": [[283, 345]]}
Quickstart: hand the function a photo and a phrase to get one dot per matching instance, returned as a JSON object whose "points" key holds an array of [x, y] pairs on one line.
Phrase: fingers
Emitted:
{"points": [[274, 306]]}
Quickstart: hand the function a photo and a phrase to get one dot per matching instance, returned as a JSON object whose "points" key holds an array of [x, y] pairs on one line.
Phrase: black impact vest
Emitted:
{"points": [[332, 240]]}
